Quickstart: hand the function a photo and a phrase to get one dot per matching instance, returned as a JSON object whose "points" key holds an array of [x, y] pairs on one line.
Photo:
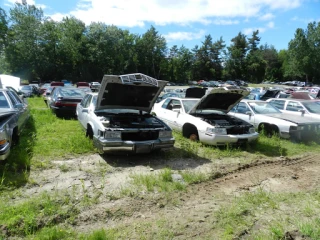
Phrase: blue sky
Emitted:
{"points": [[186, 22]]}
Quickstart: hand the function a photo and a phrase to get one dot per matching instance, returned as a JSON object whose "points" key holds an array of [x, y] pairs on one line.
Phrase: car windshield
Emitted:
{"points": [[263, 108], [189, 104], [313, 107], [26, 88], [67, 92], [3, 101]]}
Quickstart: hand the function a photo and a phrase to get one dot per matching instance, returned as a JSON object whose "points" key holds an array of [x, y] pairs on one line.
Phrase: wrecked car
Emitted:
{"points": [[202, 116], [118, 117]]}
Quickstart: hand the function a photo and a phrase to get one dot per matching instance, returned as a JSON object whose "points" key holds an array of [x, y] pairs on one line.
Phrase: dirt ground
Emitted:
{"points": [[190, 211]]}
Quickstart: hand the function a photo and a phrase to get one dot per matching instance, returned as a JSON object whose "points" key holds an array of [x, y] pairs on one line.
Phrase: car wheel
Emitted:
{"points": [[89, 132], [193, 137]]}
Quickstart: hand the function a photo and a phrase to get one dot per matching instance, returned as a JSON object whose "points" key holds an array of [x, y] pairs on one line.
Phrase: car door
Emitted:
{"points": [[20, 107], [83, 110], [242, 111], [279, 104], [168, 114], [294, 107]]}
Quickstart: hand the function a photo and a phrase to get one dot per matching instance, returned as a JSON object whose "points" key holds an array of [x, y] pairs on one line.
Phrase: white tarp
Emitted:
{"points": [[7, 80]]}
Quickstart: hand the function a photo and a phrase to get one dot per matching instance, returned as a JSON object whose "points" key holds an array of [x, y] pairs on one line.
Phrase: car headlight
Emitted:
{"points": [[221, 131], [252, 130], [112, 134], [165, 134]]}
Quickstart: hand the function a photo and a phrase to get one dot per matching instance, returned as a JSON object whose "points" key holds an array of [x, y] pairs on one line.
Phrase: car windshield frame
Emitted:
{"points": [[268, 108], [188, 105]]}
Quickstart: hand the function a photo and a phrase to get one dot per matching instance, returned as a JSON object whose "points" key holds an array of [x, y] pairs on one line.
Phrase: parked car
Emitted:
{"points": [[206, 119], [274, 93], [56, 84], [63, 101], [46, 95], [44, 87], [264, 116], [122, 122], [82, 84], [170, 94], [14, 114], [298, 107], [28, 91], [95, 86]]}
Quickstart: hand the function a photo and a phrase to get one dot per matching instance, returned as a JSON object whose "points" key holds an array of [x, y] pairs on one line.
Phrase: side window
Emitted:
{"points": [[84, 100], [87, 103], [294, 106], [172, 103], [278, 104], [165, 104], [13, 99], [241, 108]]}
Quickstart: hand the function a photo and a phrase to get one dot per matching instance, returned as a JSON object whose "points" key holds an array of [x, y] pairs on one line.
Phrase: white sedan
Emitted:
{"points": [[118, 117], [263, 115], [206, 119]]}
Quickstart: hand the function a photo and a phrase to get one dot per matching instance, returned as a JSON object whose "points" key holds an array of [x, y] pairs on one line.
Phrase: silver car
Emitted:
{"points": [[118, 117], [265, 116]]}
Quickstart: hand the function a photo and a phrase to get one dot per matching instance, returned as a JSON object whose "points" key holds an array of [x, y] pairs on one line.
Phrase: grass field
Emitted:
{"points": [[47, 138]]}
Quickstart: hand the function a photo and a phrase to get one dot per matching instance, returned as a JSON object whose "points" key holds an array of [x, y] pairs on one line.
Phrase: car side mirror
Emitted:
{"points": [[176, 108], [302, 111], [249, 113], [19, 105], [47, 94]]}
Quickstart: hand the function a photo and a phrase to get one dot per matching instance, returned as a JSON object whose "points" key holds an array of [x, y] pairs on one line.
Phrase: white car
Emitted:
{"points": [[298, 107], [206, 119], [263, 115], [118, 117]]}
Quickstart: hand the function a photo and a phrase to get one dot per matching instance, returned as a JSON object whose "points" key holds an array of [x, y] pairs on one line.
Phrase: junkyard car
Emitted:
{"points": [[63, 100], [299, 107], [266, 117], [14, 113], [206, 119], [118, 117]]}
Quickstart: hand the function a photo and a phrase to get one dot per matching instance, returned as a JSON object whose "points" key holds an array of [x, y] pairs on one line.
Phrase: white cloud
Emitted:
{"points": [[267, 17], [10, 3], [249, 31], [305, 20], [173, 36], [131, 13]]}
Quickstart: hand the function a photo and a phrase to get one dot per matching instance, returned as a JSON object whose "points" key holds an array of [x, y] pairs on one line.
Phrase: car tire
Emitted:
{"points": [[89, 132], [194, 137]]}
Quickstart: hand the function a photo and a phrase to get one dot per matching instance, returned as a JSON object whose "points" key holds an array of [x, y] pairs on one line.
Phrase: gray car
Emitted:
{"points": [[14, 114]]}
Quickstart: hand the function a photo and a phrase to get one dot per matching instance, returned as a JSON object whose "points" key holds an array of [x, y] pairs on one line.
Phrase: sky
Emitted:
{"points": [[187, 22]]}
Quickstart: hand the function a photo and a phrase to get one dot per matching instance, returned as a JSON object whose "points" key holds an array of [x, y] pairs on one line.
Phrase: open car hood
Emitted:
{"points": [[132, 91], [220, 99], [269, 94]]}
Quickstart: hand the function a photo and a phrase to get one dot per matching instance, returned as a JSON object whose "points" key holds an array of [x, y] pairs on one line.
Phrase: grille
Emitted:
{"points": [[140, 136], [237, 130]]}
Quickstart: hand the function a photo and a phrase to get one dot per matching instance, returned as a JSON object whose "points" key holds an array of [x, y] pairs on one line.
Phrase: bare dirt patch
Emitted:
{"points": [[188, 212]]}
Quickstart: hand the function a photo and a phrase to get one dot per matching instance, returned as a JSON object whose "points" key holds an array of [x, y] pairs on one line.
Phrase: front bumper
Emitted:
{"points": [[4, 151], [107, 145], [221, 140]]}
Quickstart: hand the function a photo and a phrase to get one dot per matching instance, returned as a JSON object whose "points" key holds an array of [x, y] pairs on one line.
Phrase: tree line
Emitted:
{"points": [[34, 47]]}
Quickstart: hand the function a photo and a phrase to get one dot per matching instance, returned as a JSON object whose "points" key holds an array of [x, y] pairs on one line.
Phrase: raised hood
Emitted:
{"points": [[220, 99], [132, 91]]}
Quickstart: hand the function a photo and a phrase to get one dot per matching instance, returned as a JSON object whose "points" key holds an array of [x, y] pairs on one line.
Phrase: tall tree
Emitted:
{"points": [[236, 57], [22, 51]]}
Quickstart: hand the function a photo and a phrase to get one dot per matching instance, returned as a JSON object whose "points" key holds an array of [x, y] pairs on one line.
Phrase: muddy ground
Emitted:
{"points": [[188, 212]]}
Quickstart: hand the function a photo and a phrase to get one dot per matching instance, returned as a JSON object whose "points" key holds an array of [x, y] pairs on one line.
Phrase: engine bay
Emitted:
{"points": [[129, 120], [232, 124]]}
